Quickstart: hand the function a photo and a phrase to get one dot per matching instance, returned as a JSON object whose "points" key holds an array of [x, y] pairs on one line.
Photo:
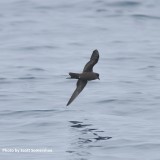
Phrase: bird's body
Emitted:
{"points": [[85, 76]]}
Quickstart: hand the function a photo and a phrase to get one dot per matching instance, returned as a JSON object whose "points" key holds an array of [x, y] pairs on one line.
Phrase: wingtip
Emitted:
{"points": [[96, 50], [68, 103]]}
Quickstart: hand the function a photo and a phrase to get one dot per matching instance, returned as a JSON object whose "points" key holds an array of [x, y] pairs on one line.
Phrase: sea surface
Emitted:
{"points": [[114, 118]]}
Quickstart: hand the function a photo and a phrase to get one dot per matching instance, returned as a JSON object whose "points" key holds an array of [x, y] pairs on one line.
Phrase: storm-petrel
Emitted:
{"points": [[85, 76]]}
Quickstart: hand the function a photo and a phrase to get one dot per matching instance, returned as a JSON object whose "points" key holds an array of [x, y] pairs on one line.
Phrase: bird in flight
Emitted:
{"points": [[85, 76]]}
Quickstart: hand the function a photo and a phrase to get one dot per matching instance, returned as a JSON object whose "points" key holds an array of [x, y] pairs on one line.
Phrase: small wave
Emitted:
{"points": [[107, 101], [100, 138], [148, 67], [142, 16], [24, 22], [125, 4], [151, 66], [124, 58], [32, 48], [76, 44], [54, 7], [137, 146], [147, 145], [4, 80], [3, 95], [27, 78], [1, 78], [25, 112], [127, 82], [75, 122], [80, 125], [38, 124], [69, 151], [101, 10], [37, 69]]}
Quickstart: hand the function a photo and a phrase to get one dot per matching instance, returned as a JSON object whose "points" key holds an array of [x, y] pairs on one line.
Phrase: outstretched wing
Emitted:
{"points": [[80, 85], [93, 60]]}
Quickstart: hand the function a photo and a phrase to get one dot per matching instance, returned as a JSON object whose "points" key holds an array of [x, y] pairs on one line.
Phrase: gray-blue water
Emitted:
{"points": [[116, 118]]}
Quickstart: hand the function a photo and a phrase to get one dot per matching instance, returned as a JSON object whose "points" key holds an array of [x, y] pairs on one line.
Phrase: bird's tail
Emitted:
{"points": [[74, 75]]}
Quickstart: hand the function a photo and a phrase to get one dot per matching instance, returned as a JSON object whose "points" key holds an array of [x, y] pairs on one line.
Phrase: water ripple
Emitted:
{"points": [[124, 4], [25, 112], [143, 16]]}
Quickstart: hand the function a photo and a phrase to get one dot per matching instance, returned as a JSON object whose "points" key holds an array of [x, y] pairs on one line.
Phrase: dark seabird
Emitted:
{"points": [[85, 76]]}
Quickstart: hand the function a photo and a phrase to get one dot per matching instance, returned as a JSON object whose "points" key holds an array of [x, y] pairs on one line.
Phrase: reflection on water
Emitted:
{"points": [[88, 137]]}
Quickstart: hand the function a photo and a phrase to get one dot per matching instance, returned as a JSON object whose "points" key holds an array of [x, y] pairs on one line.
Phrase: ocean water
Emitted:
{"points": [[116, 118]]}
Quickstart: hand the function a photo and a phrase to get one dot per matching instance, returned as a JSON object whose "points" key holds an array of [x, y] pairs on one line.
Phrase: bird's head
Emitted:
{"points": [[97, 76]]}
